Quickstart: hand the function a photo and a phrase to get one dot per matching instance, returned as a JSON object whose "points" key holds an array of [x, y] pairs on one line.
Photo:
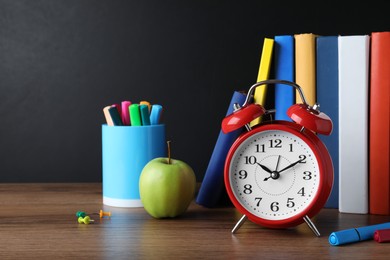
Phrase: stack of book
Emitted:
{"points": [[348, 75]]}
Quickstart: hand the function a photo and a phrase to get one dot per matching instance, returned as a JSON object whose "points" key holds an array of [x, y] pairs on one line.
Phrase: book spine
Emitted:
{"points": [[263, 74], [305, 58], [213, 185], [284, 70], [353, 123], [328, 99], [379, 139]]}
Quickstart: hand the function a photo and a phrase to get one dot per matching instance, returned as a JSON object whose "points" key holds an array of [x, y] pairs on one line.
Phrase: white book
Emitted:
{"points": [[353, 58]]}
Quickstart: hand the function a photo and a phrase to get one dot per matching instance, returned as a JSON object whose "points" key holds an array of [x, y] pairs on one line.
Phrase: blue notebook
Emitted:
{"points": [[327, 97], [212, 189], [284, 70]]}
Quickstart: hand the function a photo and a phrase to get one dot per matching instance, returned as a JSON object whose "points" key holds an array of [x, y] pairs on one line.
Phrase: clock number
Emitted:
{"points": [[258, 201], [277, 143], [274, 206], [247, 189], [260, 148], [291, 148], [307, 175], [250, 159], [302, 192], [302, 158], [243, 174], [290, 203]]}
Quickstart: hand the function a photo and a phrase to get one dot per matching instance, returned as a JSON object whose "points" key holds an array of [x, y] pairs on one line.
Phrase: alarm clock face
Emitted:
{"points": [[273, 175]]}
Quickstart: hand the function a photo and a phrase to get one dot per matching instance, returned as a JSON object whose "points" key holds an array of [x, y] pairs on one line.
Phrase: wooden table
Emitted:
{"points": [[37, 221]]}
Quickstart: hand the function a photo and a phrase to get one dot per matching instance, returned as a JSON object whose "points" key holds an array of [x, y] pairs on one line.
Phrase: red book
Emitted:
{"points": [[379, 141]]}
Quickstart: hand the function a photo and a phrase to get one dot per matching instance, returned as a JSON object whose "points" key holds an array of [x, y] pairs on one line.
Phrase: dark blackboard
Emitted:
{"points": [[61, 62]]}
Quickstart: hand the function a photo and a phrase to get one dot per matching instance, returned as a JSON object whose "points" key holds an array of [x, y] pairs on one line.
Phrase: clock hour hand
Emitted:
{"points": [[291, 165], [273, 175], [265, 168]]}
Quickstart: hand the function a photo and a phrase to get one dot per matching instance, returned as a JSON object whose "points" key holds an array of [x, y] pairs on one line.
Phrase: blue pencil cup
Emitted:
{"points": [[125, 152]]}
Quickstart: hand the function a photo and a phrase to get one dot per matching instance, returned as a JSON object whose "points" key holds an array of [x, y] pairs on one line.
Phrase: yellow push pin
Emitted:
{"points": [[86, 220], [104, 213]]}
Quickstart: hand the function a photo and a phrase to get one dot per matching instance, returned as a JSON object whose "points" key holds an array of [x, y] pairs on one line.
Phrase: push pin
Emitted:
{"points": [[104, 213], [85, 220], [80, 214], [101, 214]]}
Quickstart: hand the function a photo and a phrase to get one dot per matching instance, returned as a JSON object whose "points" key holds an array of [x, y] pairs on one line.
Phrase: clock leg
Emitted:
{"points": [[239, 224], [311, 225]]}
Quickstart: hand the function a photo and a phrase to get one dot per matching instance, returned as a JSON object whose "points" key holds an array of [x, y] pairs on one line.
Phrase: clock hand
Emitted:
{"points": [[275, 174], [265, 168], [277, 163], [291, 165]]}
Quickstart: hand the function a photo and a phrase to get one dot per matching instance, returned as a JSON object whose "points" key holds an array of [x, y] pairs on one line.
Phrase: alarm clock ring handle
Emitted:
{"points": [[303, 114], [274, 81]]}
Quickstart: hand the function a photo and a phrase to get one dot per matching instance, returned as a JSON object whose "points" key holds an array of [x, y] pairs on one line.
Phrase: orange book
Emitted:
{"points": [[379, 137], [305, 66]]}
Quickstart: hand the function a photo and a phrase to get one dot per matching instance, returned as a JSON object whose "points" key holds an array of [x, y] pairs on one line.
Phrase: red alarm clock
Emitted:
{"points": [[278, 174]]}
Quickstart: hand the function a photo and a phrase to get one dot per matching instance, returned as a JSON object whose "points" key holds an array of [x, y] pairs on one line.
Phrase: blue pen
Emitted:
{"points": [[355, 234], [144, 111], [155, 114]]}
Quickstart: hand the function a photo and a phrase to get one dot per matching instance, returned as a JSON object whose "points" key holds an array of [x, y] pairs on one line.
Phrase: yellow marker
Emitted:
{"points": [[264, 69], [143, 102]]}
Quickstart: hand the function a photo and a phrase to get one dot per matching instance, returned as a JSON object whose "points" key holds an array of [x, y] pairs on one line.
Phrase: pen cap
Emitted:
{"points": [[344, 237]]}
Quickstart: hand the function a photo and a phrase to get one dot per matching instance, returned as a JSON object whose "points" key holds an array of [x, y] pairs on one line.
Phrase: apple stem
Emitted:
{"points": [[169, 151]]}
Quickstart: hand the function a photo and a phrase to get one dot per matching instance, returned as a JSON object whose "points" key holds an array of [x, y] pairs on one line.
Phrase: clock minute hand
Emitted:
{"points": [[291, 165]]}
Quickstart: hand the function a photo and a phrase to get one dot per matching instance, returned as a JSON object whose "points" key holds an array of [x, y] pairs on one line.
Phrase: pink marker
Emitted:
{"points": [[125, 113]]}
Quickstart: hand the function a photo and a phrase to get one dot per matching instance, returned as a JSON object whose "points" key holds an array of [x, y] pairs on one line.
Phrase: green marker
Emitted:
{"points": [[135, 116]]}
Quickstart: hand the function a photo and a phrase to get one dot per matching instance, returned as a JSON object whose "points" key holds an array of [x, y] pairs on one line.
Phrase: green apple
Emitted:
{"points": [[167, 187]]}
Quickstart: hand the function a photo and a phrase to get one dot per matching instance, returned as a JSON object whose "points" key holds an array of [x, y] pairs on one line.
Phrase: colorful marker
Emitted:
{"points": [[115, 116], [135, 116], [144, 111], [155, 114], [143, 102], [125, 112], [355, 234], [118, 107], [108, 116]]}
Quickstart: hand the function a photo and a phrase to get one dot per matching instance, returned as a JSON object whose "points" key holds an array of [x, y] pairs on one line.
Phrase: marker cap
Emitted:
{"points": [[344, 237], [382, 235]]}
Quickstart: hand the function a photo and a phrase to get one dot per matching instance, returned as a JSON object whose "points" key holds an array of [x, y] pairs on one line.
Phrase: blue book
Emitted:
{"points": [[212, 189], [284, 70], [328, 98]]}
